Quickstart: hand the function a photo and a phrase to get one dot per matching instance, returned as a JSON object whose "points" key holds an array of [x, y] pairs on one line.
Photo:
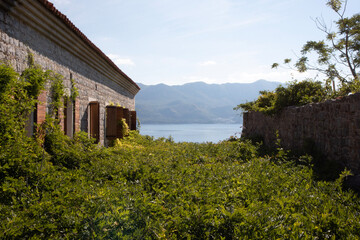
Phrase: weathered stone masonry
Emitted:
{"points": [[35, 26], [333, 126]]}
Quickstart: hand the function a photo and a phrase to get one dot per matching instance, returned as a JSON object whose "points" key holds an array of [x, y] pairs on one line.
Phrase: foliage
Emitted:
{"points": [[149, 189], [35, 79], [17, 99], [338, 57], [74, 90], [145, 188], [293, 94], [57, 93], [339, 61], [124, 127], [66, 152], [138, 124]]}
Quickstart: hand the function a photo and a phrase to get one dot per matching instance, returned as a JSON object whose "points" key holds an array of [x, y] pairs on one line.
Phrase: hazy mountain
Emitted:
{"points": [[196, 102]]}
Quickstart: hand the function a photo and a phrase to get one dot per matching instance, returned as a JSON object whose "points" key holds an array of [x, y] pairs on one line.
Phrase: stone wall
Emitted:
{"points": [[94, 81], [333, 126]]}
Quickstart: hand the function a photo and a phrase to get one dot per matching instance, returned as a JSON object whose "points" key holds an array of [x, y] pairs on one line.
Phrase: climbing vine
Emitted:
{"points": [[57, 93], [124, 127], [16, 103], [74, 90], [36, 78]]}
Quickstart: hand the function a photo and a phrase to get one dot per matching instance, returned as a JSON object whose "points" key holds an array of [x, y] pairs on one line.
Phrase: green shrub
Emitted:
{"points": [[16, 103], [145, 188], [293, 94], [149, 189], [35, 78]]}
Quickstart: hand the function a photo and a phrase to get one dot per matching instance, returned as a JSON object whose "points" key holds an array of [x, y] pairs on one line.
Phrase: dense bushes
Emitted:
{"points": [[66, 152], [293, 94], [156, 189], [16, 102], [148, 189]]}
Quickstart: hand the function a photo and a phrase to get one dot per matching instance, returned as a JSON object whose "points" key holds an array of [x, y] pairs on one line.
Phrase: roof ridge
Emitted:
{"points": [[50, 6]]}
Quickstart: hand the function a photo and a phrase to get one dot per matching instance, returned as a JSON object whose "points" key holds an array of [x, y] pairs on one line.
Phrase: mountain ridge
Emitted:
{"points": [[196, 102]]}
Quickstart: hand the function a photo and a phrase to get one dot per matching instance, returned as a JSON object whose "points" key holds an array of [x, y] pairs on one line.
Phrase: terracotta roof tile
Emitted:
{"points": [[48, 5]]}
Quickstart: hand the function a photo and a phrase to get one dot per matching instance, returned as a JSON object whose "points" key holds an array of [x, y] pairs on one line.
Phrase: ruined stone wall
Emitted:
{"points": [[17, 39], [333, 126]]}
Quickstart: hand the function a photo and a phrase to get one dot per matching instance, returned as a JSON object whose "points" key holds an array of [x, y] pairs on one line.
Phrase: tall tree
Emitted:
{"points": [[338, 56]]}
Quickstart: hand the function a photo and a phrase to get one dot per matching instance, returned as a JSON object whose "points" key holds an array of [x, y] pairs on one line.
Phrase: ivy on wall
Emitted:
{"points": [[57, 92], [74, 92], [124, 127]]}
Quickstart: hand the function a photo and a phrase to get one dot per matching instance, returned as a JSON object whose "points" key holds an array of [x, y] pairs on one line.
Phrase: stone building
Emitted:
{"points": [[36, 27]]}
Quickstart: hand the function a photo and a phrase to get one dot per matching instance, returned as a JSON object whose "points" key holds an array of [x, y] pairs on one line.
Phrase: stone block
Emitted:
{"points": [[3, 47], [5, 38]]}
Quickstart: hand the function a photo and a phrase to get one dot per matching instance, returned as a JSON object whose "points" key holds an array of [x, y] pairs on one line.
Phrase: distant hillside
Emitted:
{"points": [[196, 102]]}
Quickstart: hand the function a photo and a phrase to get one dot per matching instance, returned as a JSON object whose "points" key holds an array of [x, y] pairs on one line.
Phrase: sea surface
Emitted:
{"points": [[192, 132]]}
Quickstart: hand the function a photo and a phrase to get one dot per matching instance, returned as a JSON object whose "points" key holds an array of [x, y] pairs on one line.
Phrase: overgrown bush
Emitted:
{"points": [[16, 102], [145, 188], [66, 152], [150, 189], [293, 94]]}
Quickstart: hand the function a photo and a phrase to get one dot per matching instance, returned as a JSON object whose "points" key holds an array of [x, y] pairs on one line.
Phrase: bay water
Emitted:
{"points": [[192, 132]]}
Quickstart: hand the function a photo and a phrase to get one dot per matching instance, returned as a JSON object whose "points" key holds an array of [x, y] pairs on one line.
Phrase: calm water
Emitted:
{"points": [[192, 132]]}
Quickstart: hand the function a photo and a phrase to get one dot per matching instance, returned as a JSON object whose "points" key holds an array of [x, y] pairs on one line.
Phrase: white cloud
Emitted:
{"points": [[208, 63], [120, 61]]}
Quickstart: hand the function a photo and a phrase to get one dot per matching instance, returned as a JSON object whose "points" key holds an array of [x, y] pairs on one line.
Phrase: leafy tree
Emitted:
{"points": [[293, 94], [338, 57]]}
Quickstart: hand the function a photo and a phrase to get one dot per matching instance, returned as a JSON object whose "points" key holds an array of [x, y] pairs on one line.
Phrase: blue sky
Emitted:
{"points": [[214, 41]]}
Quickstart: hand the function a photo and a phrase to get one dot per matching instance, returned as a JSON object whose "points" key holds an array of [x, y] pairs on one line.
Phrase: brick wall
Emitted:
{"points": [[333, 126], [41, 108], [17, 39]]}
